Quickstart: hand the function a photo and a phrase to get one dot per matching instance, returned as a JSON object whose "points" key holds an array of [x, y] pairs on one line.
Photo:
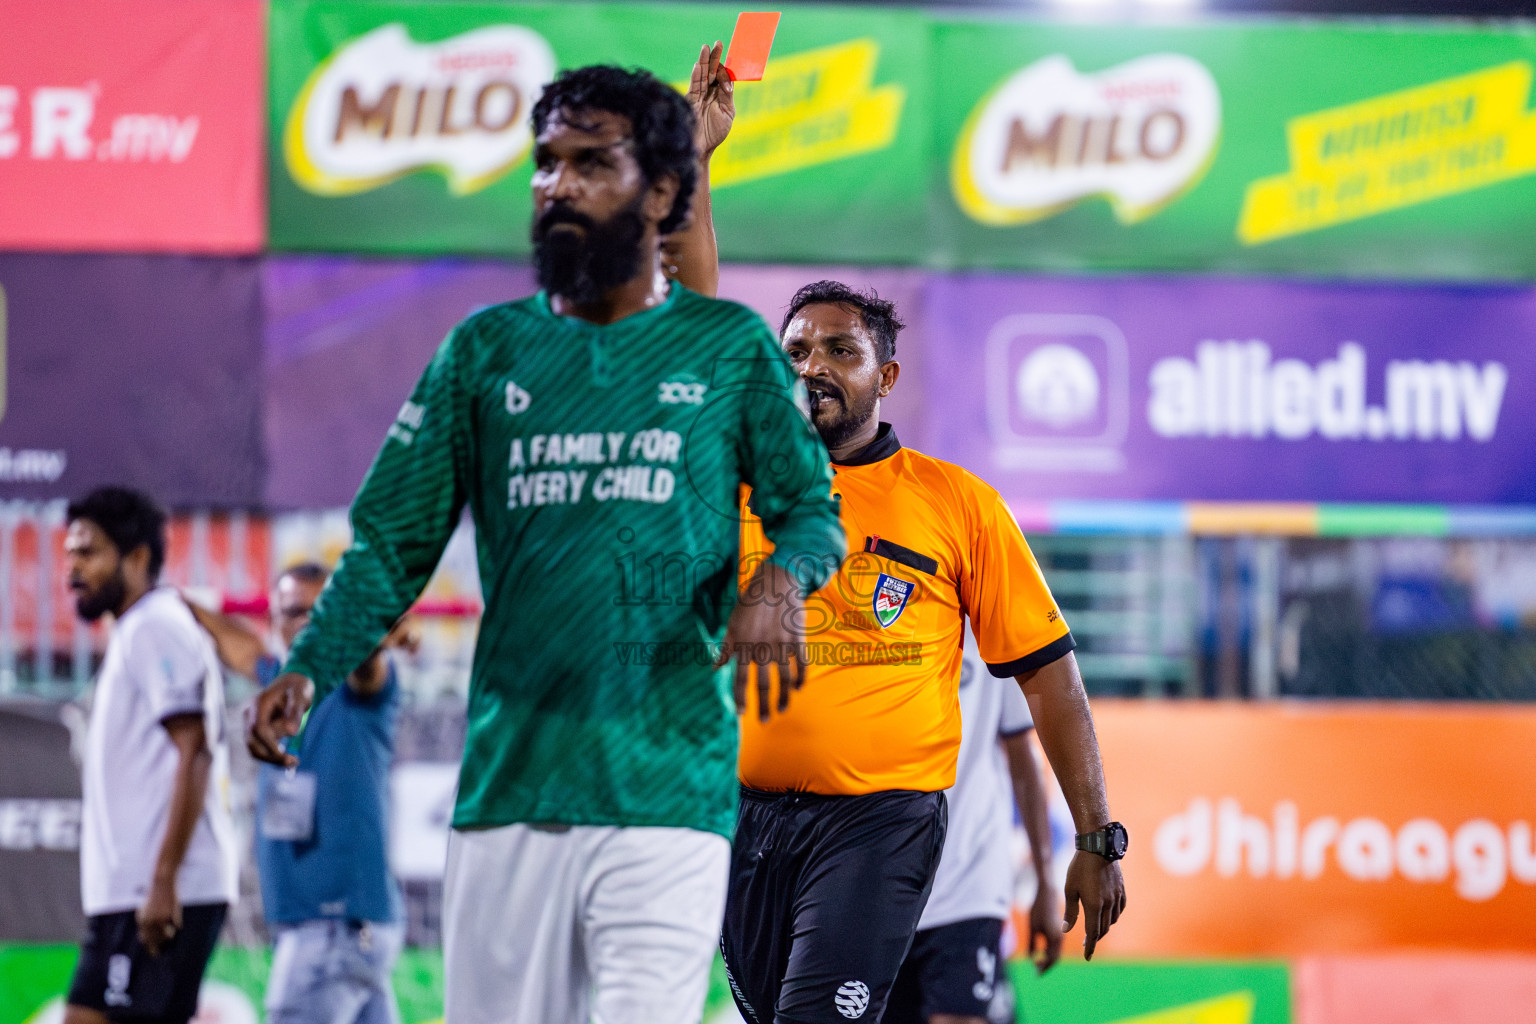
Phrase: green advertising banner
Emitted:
{"points": [[1167, 992], [403, 127], [33, 979], [899, 137], [1339, 150]]}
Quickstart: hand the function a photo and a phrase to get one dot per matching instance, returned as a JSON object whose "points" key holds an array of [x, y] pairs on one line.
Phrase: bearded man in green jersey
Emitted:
{"points": [[599, 432]]}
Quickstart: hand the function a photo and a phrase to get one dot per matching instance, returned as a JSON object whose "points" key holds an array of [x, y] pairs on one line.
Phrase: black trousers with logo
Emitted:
{"points": [[119, 977], [956, 969], [825, 896]]}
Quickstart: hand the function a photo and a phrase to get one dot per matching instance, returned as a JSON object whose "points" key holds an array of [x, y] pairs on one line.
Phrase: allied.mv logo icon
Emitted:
{"points": [[1058, 392], [1058, 386]]}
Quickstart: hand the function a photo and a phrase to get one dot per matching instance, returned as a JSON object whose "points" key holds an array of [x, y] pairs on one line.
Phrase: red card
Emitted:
{"points": [[750, 43]]}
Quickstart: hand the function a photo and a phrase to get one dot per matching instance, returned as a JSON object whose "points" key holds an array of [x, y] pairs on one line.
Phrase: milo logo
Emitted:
{"points": [[384, 105], [1140, 134]]}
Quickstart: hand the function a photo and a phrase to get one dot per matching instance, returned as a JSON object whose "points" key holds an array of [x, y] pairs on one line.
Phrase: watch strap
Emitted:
{"points": [[1108, 842], [1093, 842]]}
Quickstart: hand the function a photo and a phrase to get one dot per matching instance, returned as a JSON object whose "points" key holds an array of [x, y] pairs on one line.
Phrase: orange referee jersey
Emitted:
{"points": [[930, 545]]}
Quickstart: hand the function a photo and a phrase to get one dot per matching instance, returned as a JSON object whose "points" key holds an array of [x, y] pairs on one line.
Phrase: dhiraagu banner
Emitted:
{"points": [[1339, 150], [403, 127]]}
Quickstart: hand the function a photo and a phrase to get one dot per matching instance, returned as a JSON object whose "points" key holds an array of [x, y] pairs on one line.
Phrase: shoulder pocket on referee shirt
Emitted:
{"points": [[906, 556]]}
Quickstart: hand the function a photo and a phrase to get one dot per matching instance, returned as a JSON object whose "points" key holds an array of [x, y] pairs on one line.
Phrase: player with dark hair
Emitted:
{"points": [[157, 851], [322, 832], [599, 432], [843, 814], [879, 315]]}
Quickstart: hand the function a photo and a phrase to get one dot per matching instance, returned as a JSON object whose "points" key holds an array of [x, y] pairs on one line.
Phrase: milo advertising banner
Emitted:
{"points": [[1325, 150], [404, 128], [900, 137]]}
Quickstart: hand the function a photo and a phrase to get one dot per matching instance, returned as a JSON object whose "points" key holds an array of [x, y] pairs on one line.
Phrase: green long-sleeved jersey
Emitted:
{"points": [[603, 466]]}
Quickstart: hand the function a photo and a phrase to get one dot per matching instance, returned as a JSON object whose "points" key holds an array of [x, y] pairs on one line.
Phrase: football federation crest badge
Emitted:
{"points": [[891, 595]]}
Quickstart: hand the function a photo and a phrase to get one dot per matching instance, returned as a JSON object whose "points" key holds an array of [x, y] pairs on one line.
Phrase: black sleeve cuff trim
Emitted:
{"points": [[1009, 734], [1053, 651]]}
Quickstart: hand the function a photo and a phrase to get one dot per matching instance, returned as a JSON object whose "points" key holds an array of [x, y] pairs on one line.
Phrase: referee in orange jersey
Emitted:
{"points": [[843, 813]]}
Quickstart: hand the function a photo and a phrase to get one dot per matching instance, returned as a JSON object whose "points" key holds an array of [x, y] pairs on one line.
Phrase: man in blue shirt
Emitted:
{"points": [[321, 842]]}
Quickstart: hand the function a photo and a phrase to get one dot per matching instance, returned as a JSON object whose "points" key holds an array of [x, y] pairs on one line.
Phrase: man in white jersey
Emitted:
{"points": [[954, 972], [157, 853]]}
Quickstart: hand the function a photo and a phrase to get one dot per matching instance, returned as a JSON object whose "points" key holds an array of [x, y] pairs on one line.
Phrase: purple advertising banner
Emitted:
{"points": [[346, 340], [1173, 389], [135, 370], [1223, 389]]}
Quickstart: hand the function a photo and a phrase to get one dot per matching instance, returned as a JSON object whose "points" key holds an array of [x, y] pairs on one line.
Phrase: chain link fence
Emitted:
{"points": [[1422, 618]]}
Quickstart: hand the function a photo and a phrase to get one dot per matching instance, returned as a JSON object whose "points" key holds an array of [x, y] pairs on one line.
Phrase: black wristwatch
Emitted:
{"points": [[1109, 842]]}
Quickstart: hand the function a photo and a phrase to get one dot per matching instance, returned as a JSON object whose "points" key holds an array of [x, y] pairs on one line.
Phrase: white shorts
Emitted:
{"points": [[555, 924]]}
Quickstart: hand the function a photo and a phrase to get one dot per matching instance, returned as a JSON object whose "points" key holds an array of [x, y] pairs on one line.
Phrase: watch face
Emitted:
{"points": [[1119, 839]]}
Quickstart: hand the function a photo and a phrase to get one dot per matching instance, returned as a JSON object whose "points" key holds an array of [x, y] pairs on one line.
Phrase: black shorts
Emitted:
{"points": [[117, 976], [955, 969], [825, 894]]}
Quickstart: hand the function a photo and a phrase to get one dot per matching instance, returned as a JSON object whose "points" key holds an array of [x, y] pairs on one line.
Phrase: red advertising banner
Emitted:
{"points": [[1290, 830], [132, 127]]}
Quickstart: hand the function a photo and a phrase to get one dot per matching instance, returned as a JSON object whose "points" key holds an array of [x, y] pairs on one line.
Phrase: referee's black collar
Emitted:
{"points": [[882, 447]]}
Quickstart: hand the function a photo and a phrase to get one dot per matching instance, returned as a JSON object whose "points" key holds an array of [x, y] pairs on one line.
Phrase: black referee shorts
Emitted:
{"points": [[825, 895], [117, 976], [954, 969]]}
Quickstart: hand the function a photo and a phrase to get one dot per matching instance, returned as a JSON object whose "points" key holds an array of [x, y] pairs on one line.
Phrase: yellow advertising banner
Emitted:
{"points": [[1397, 150]]}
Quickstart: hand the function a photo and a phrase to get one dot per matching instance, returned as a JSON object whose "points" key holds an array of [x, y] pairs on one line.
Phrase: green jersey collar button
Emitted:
{"points": [[602, 364]]}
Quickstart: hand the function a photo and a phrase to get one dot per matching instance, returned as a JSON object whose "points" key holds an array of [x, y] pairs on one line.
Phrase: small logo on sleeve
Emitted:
{"points": [[891, 596], [852, 999], [407, 422]]}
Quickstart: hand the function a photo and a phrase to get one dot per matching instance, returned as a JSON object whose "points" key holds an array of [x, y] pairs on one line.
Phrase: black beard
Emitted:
{"points": [[836, 432], [583, 267], [92, 605]]}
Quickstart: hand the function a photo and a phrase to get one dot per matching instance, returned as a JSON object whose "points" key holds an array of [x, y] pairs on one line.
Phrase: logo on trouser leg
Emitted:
{"points": [[986, 963], [852, 998], [741, 997], [119, 968]]}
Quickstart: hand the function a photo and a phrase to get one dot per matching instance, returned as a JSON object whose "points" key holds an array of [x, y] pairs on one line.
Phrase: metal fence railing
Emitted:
{"points": [[1127, 600], [1154, 615]]}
